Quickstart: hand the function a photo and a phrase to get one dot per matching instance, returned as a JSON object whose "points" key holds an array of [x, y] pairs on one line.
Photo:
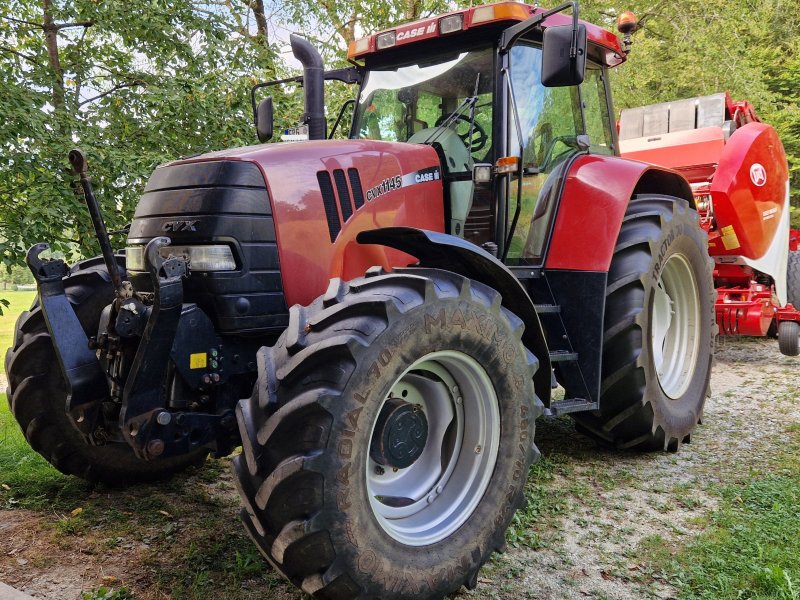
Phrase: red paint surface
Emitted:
{"points": [[745, 310], [680, 149], [753, 211], [590, 212], [308, 259]]}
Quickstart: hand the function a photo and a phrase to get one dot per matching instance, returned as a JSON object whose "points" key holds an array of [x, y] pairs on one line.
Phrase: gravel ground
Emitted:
{"points": [[611, 504]]}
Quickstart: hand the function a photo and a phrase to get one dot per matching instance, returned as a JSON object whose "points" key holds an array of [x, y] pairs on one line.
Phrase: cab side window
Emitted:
{"points": [[595, 103], [550, 120]]}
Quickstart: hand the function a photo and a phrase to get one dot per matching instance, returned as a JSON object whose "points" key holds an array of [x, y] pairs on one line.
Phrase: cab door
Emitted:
{"points": [[556, 124]]}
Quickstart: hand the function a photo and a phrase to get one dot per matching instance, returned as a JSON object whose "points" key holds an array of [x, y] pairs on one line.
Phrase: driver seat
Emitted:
{"points": [[457, 160]]}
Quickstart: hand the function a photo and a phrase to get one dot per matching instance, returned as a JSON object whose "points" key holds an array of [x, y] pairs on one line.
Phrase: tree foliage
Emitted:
{"points": [[698, 47], [135, 83], [140, 82]]}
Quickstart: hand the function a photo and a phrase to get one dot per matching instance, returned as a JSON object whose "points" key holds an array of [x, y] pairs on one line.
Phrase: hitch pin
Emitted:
{"points": [[79, 166]]}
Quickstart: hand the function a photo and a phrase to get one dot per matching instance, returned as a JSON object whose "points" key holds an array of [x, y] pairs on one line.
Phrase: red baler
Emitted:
{"points": [[737, 168]]}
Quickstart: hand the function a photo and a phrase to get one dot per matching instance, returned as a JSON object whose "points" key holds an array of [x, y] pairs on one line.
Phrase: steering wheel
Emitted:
{"points": [[479, 137], [571, 141]]}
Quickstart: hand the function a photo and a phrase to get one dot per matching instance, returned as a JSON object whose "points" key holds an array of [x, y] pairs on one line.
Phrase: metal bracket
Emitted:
{"points": [[84, 378], [144, 393]]}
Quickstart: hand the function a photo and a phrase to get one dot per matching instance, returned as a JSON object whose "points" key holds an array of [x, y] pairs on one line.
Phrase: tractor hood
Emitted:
{"points": [[295, 209]]}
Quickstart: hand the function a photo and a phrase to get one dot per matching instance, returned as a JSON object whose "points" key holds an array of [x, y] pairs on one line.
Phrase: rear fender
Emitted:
{"points": [[442, 251], [592, 205]]}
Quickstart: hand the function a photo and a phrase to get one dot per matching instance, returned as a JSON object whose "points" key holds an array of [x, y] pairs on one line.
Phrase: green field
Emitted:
{"points": [[18, 302]]}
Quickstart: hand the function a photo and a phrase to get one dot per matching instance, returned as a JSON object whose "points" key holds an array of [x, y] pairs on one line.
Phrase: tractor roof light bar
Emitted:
{"points": [[513, 33]]}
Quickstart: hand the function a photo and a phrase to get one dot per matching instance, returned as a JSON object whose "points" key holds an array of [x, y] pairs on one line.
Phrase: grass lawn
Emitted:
{"points": [[179, 539], [18, 302], [750, 545], [28, 480]]}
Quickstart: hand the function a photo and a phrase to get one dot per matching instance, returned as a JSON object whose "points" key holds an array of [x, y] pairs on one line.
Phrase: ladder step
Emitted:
{"points": [[572, 405], [544, 309], [563, 356]]}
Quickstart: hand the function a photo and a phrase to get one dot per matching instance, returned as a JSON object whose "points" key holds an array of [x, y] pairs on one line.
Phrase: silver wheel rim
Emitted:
{"points": [[675, 326], [429, 500]]}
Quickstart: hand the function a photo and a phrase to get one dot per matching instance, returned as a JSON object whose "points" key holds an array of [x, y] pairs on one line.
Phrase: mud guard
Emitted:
{"points": [[450, 253]]}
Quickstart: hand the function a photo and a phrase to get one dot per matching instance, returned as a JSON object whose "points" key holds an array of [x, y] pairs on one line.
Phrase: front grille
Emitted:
{"points": [[329, 202], [227, 202], [355, 184], [344, 194]]}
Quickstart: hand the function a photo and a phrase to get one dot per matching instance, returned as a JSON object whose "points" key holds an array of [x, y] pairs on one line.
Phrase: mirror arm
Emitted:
{"points": [[347, 75], [573, 50], [513, 33], [341, 114], [258, 86]]}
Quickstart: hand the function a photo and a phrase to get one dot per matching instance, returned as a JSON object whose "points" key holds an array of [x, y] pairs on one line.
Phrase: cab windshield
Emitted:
{"points": [[407, 103]]}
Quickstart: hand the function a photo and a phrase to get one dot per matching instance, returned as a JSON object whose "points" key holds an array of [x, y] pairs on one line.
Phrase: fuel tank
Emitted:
{"points": [[290, 214]]}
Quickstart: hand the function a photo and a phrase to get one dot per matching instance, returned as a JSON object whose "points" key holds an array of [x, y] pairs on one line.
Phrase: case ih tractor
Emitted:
{"points": [[738, 171], [395, 308]]}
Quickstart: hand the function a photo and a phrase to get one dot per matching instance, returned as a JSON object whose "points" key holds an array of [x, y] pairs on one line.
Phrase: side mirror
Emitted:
{"points": [[559, 69], [264, 120]]}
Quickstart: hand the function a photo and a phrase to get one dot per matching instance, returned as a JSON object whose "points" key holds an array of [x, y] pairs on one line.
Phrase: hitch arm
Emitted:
{"points": [[144, 393], [83, 376]]}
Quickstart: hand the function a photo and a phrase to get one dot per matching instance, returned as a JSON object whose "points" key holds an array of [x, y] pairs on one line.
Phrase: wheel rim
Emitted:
{"points": [[675, 326], [428, 500]]}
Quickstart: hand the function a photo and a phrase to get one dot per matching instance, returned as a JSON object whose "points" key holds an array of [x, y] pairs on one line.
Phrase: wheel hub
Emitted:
{"points": [[450, 461], [401, 432]]}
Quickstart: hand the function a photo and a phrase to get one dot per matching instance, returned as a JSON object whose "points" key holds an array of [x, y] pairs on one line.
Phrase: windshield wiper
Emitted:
{"points": [[470, 101]]}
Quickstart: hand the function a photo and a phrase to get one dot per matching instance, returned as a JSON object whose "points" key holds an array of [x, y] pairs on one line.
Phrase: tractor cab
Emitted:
{"points": [[471, 84]]}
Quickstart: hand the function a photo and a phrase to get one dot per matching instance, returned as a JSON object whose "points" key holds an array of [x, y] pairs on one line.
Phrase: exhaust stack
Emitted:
{"points": [[313, 86]]}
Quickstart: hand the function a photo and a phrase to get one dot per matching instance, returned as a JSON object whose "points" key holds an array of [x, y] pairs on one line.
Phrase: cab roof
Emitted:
{"points": [[478, 16]]}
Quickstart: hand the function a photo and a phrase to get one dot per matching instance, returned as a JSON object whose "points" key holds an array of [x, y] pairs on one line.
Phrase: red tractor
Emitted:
{"points": [[740, 178], [396, 308]]}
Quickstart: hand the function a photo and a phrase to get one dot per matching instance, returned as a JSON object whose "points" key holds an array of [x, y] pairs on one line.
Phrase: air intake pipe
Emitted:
{"points": [[313, 86]]}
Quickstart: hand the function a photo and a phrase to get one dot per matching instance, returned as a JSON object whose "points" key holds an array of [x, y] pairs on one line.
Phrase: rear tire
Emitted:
{"points": [[37, 396], [319, 506], [659, 329], [789, 338]]}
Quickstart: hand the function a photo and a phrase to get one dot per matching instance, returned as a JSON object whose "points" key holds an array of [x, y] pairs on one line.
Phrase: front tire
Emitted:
{"points": [[37, 396], [659, 329], [387, 442]]}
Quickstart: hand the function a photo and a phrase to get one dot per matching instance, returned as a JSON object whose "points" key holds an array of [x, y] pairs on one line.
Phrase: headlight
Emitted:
{"points": [[201, 258]]}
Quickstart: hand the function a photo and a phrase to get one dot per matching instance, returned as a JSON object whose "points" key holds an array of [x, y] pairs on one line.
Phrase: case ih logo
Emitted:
{"points": [[415, 32], [758, 174]]}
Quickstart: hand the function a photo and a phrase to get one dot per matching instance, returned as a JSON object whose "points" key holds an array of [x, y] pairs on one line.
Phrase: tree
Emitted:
{"points": [[698, 47], [133, 92]]}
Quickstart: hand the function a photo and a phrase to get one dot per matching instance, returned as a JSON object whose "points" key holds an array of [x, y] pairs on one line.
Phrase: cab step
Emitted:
{"points": [[563, 356], [572, 405], [547, 309]]}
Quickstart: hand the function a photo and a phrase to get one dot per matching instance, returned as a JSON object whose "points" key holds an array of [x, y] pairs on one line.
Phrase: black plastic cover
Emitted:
{"points": [[218, 202]]}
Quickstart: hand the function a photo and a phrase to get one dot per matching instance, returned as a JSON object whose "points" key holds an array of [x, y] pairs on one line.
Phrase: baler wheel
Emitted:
{"points": [[793, 279], [659, 329], [37, 397], [388, 438], [789, 338]]}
